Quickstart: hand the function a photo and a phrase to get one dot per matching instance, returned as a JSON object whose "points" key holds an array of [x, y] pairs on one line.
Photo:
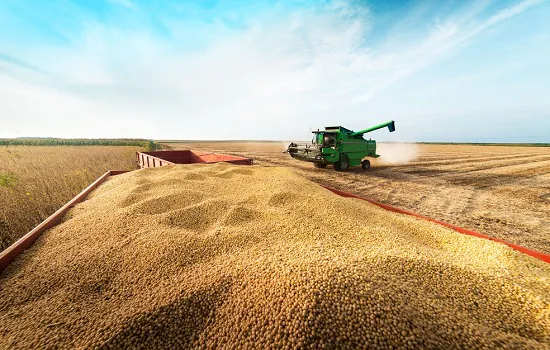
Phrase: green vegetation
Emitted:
{"points": [[50, 141], [7, 180]]}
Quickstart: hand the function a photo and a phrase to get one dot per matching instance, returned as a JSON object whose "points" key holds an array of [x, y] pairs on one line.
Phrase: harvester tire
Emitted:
{"points": [[365, 164], [320, 165], [342, 164]]}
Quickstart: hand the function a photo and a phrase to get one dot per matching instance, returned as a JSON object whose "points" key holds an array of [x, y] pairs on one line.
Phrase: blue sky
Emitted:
{"points": [[472, 71]]}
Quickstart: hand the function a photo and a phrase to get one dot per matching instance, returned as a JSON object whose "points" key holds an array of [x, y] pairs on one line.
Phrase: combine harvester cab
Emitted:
{"points": [[340, 147]]}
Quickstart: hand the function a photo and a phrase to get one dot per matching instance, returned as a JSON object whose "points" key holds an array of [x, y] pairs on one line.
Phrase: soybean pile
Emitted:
{"points": [[222, 256]]}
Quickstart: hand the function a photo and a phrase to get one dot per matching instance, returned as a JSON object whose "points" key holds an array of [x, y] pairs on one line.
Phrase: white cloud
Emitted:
{"points": [[282, 72]]}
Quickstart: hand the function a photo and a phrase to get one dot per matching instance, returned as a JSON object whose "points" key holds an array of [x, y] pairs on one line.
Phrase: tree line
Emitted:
{"points": [[51, 141]]}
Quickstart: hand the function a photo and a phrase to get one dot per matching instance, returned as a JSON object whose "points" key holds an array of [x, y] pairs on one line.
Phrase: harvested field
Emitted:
{"points": [[35, 181], [501, 191], [221, 256]]}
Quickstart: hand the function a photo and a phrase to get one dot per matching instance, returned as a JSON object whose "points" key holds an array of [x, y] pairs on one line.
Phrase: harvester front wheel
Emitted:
{"points": [[342, 164], [320, 165], [365, 164]]}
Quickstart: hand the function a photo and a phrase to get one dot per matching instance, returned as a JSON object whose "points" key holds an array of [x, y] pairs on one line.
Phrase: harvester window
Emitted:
{"points": [[328, 140], [319, 139]]}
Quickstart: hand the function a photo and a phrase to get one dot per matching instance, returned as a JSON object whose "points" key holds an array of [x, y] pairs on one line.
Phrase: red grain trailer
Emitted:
{"points": [[161, 158]]}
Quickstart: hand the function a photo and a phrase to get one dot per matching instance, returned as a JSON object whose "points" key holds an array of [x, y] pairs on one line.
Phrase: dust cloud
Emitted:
{"points": [[396, 153]]}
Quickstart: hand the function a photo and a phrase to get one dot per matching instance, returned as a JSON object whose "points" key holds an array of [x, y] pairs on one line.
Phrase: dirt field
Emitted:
{"points": [[35, 181], [501, 191]]}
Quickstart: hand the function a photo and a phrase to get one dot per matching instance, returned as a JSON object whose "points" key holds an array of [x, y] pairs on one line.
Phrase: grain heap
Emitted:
{"points": [[208, 256]]}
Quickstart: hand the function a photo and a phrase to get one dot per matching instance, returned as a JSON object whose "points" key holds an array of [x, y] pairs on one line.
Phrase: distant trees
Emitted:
{"points": [[50, 141]]}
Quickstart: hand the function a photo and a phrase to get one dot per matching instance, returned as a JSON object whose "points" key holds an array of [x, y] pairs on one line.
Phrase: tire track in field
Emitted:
{"points": [[490, 165], [470, 160], [471, 202], [518, 168]]}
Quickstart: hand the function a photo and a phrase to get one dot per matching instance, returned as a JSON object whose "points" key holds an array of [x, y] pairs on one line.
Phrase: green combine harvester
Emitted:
{"points": [[339, 146]]}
